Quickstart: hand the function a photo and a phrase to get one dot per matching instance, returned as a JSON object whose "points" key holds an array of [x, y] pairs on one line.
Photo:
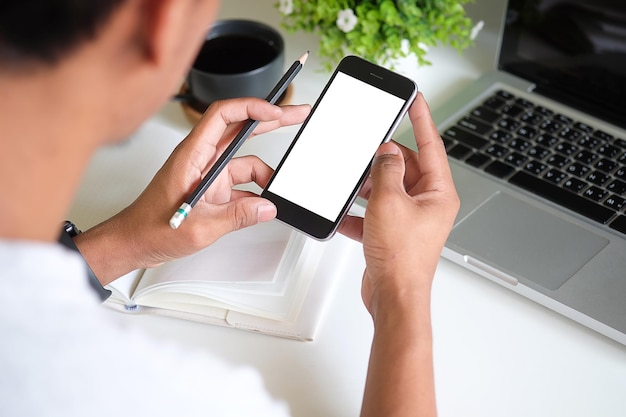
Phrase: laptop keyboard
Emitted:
{"points": [[563, 160]]}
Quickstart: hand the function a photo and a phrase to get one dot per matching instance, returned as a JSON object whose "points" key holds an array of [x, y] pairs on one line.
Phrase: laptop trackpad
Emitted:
{"points": [[525, 241]]}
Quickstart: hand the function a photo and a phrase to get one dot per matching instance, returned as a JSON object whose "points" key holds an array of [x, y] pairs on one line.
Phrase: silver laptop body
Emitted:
{"points": [[572, 263]]}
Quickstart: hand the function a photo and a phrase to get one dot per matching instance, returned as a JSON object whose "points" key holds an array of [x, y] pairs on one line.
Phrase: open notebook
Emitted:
{"points": [[265, 278]]}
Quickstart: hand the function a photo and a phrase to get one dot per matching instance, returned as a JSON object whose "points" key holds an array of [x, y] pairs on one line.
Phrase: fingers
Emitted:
{"points": [[238, 214], [225, 116], [292, 115], [352, 227], [386, 177], [249, 169], [223, 119], [432, 153], [232, 209], [387, 172], [224, 112]]}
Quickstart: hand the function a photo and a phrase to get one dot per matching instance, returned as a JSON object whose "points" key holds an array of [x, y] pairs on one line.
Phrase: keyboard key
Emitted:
{"points": [[535, 167], [609, 151], [539, 152], [494, 103], [578, 169], [505, 95], [586, 157], [603, 135], [477, 159], [620, 142], [550, 126], [527, 132], [619, 224], [563, 119], [589, 142], [595, 193], [558, 161], [546, 140], [496, 151], [520, 144], [584, 127], [615, 202], [465, 137], [606, 165], [512, 110], [555, 176], [501, 136], [545, 111], [574, 185], [618, 187], [485, 114], [509, 124], [516, 159], [566, 148], [531, 117], [570, 134], [459, 151], [474, 125], [499, 169], [560, 196], [620, 173], [524, 102], [598, 178]]}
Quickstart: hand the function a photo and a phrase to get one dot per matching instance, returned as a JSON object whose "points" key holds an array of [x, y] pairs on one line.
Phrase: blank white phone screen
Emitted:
{"points": [[336, 146]]}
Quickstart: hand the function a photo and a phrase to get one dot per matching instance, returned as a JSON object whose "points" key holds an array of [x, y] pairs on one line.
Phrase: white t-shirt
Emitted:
{"points": [[62, 355]]}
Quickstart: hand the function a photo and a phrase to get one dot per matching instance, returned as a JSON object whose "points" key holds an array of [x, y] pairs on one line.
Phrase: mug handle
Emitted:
{"points": [[182, 97]]}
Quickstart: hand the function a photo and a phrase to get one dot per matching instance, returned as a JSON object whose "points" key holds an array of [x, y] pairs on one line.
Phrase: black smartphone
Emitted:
{"points": [[319, 177]]}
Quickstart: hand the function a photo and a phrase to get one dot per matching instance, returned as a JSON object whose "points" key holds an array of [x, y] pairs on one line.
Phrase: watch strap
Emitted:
{"points": [[68, 232]]}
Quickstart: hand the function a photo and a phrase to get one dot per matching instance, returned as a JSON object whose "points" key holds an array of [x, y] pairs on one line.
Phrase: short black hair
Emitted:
{"points": [[43, 31]]}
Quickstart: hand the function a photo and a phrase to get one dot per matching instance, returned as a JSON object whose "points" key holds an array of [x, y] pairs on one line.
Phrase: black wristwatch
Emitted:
{"points": [[68, 232]]}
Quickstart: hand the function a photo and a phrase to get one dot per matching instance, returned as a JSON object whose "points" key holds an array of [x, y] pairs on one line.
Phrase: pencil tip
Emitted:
{"points": [[304, 57]]}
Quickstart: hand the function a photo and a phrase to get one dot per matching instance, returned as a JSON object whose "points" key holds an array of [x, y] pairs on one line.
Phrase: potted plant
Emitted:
{"points": [[381, 31]]}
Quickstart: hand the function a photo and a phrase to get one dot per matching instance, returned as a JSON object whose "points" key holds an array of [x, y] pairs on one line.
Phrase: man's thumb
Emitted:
{"points": [[250, 211], [387, 168]]}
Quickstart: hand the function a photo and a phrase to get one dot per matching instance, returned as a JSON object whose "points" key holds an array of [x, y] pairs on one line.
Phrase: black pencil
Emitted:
{"points": [[232, 148]]}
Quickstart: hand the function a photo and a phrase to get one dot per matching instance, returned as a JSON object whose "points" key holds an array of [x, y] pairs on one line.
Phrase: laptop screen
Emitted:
{"points": [[573, 50]]}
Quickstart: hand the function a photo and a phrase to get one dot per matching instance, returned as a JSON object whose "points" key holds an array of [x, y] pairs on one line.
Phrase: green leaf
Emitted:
{"points": [[382, 27]]}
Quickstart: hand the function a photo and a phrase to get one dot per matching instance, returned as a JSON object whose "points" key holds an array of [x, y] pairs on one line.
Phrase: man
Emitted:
{"points": [[66, 67]]}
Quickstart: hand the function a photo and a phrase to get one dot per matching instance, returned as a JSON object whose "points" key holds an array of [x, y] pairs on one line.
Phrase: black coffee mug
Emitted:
{"points": [[239, 58]]}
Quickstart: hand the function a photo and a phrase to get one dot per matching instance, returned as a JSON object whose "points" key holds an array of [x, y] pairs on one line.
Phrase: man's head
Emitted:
{"points": [[76, 75], [128, 54], [35, 32]]}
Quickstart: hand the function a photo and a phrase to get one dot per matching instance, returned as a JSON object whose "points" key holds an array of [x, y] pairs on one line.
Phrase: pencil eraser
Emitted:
{"points": [[176, 220], [180, 215]]}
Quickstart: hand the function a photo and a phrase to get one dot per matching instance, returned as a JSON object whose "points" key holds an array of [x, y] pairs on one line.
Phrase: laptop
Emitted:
{"points": [[538, 154]]}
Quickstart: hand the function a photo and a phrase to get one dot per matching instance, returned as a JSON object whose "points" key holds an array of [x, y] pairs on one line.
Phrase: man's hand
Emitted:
{"points": [[412, 204], [140, 235]]}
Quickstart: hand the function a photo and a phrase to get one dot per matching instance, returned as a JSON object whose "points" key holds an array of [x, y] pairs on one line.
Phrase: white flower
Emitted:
{"points": [[477, 28], [346, 20], [286, 7]]}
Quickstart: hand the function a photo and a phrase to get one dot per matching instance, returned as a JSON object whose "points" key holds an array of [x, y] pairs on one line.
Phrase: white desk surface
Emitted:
{"points": [[496, 353]]}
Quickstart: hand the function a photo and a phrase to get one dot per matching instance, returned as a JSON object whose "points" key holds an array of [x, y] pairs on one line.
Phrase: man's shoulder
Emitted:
{"points": [[65, 346]]}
